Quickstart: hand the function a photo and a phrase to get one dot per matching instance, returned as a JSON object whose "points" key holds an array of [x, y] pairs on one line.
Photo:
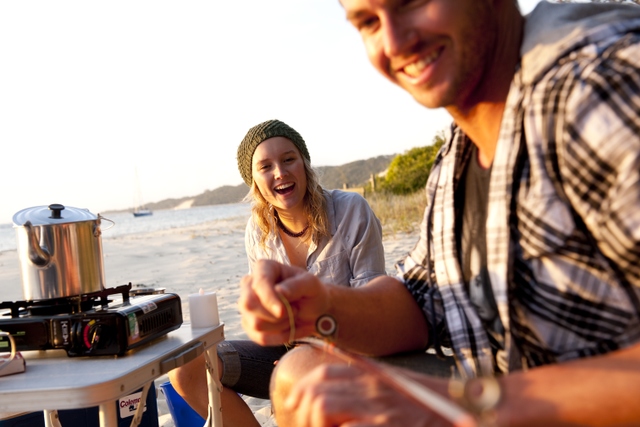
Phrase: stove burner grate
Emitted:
{"points": [[65, 305]]}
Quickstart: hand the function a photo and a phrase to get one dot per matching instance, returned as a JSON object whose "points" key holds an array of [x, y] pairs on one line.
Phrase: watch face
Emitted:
{"points": [[326, 325]]}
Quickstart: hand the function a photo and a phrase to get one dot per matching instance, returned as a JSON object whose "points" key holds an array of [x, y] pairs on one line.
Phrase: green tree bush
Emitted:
{"points": [[408, 172]]}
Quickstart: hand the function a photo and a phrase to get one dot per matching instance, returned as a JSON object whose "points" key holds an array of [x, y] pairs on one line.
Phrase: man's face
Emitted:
{"points": [[437, 50]]}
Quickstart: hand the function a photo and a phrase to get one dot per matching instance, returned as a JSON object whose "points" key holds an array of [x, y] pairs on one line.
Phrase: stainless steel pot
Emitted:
{"points": [[60, 251]]}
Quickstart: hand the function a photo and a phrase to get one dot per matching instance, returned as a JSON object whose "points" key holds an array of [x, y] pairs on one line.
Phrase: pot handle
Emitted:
{"points": [[39, 256], [100, 218]]}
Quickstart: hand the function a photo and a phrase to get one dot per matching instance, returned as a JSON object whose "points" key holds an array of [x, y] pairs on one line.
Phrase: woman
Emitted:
{"points": [[332, 234]]}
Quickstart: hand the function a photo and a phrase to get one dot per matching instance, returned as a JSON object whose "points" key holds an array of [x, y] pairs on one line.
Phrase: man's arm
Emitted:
{"points": [[379, 318], [594, 391]]}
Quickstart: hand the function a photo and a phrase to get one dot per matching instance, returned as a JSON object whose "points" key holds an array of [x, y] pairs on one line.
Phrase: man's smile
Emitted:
{"points": [[415, 69]]}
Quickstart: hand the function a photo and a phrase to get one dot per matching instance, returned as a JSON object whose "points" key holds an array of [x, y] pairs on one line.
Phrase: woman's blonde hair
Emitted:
{"points": [[315, 208]]}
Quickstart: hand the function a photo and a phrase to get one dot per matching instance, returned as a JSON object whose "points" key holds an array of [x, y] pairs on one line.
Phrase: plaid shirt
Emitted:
{"points": [[563, 227]]}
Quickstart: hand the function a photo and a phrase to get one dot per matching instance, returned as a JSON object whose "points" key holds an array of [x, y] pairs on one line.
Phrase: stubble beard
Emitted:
{"points": [[464, 87]]}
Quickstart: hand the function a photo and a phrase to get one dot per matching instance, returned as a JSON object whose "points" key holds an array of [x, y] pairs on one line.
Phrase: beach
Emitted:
{"points": [[183, 260]]}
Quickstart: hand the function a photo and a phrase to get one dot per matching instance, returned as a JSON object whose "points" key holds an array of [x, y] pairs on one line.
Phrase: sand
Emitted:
{"points": [[210, 256]]}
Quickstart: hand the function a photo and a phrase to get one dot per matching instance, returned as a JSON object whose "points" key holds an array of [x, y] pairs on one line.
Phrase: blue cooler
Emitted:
{"points": [[183, 415]]}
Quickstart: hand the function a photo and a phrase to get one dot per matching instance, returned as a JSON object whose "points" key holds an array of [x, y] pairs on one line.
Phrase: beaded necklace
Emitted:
{"points": [[288, 232]]}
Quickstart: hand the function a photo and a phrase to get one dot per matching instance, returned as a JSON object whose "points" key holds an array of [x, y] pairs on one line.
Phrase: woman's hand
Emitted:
{"points": [[264, 313]]}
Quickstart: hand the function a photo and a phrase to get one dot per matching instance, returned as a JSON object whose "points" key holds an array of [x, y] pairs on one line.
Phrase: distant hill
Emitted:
{"points": [[354, 174]]}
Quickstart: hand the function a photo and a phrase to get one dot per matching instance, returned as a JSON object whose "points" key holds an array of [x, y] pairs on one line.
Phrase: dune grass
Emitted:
{"points": [[398, 213]]}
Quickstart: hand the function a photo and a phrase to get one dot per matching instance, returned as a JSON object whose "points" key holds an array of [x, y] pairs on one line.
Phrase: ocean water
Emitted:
{"points": [[126, 223]]}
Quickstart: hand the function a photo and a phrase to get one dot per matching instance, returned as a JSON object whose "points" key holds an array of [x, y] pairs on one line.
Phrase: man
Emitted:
{"points": [[528, 264]]}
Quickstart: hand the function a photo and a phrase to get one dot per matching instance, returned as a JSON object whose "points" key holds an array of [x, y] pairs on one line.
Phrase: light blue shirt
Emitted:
{"points": [[351, 257]]}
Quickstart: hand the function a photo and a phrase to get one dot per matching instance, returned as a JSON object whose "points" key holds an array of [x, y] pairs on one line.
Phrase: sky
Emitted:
{"points": [[101, 102]]}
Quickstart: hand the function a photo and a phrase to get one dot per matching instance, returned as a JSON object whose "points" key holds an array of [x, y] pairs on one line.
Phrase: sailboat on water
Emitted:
{"points": [[140, 209], [142, 212]]}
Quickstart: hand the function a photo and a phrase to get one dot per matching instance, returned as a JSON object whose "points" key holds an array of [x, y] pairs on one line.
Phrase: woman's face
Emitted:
{"points": [[278, 171]]}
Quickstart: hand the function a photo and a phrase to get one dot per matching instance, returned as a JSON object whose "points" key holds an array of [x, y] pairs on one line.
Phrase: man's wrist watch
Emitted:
{"points": [[327, 326]]}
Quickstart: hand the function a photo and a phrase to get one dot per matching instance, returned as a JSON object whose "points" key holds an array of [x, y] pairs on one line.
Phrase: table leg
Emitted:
{"points": [[137, 416], [108, 416], [51, 419], [214, 418]]}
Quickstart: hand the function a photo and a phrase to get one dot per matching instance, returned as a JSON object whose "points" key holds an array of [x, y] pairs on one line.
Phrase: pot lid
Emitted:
{"points": [[52, 214]]}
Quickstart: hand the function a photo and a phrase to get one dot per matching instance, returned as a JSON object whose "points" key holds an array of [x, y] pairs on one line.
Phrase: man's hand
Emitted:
{"points": [[263, 312], [338, 394]]}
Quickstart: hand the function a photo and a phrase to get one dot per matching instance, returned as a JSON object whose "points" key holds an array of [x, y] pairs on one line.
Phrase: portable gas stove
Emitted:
{"points": [[107, 322]]}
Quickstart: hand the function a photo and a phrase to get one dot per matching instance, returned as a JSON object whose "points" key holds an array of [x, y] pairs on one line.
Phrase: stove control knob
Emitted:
{"points": [[91, 336], [94, 337]]}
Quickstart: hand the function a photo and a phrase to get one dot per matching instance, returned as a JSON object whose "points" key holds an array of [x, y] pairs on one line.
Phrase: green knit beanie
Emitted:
{"points": [[260, 133]]}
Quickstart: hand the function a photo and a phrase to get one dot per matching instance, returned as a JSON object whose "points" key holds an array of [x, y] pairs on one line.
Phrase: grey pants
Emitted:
{"points": [[247, 366]]}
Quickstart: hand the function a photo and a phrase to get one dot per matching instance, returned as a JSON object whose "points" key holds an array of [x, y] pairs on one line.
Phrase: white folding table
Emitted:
{"points": [[54, 381]]}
